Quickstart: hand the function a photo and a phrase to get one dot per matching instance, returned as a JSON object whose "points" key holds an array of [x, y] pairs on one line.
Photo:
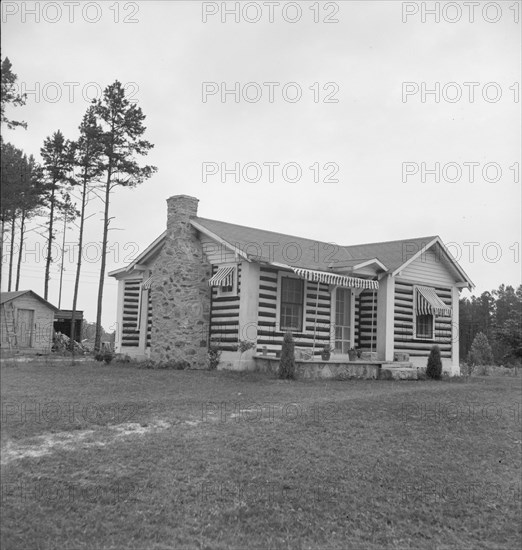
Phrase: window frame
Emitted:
{"points": [[279, 326]]}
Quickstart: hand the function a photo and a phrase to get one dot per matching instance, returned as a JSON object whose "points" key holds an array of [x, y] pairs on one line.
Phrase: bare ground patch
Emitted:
{"points": [[43, 445]]}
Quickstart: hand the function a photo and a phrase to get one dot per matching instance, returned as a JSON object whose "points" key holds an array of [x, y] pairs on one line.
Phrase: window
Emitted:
{"points": [[228, 284], [292, 303], [427, 305], [225, 280], [424, 324]]}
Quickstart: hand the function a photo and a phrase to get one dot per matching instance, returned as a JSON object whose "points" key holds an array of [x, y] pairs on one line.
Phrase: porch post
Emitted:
{"points": [[385, 318], [352, 317], [455, 361], [248, 307]]}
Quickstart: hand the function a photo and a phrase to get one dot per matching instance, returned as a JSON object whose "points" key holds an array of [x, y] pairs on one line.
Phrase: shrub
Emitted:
{"points": [[213, 355], [434, 367], [480, 352], [385, 374], [168, 365], [179, 365], [421, 374], [245, 345], [105, 356], [147, 364], [287, 361]]}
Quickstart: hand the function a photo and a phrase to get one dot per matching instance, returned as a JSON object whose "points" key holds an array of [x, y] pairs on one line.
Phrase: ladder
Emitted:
{"points": [[10, 326]]}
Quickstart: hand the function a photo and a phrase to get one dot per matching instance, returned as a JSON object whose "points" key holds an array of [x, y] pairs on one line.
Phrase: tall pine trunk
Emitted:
{"points": [[79, 264], [97, 339], [61, 263], [20, 251], [49, 244], [1, 250], [11, 254]]}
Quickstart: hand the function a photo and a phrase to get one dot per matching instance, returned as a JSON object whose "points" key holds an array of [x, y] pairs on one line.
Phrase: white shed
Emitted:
{"points": [[27, 322]]}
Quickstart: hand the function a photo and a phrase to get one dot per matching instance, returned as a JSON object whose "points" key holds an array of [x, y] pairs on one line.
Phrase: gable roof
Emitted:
{"points": [[261, 245], [393, 254], [9, 296], [269, 246]]}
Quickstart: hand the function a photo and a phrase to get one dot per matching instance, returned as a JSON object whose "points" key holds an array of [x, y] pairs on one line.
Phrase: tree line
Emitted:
{"points": [[72, 172], [498, 316]]}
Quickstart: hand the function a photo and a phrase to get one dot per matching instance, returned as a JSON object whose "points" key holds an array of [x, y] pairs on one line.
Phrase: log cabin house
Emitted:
{"points": [[204, 280]]}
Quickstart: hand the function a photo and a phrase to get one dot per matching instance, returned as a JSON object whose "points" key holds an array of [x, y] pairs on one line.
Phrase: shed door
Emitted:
{"points": [[25, 327]]}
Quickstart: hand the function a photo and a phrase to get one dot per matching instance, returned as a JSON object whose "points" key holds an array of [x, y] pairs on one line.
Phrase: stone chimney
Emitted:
{"points": [[180, 293]]}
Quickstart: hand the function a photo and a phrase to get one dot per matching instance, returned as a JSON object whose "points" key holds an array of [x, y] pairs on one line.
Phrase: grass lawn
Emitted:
{"points": [[110, 457]]}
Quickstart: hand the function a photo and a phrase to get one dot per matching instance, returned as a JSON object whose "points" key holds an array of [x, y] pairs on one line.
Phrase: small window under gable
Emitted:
{"points": [[225, 280], [424, 327], [426, 306]]}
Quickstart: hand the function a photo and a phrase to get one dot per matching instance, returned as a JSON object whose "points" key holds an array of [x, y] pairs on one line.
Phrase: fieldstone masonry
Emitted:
{"points": [[180, 293]]}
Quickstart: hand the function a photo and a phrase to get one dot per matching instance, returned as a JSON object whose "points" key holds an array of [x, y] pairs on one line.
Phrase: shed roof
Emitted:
{"points": [[9, 296]]}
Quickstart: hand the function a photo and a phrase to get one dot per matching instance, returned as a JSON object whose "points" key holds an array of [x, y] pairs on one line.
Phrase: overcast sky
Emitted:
{"points": [[165, 52]]}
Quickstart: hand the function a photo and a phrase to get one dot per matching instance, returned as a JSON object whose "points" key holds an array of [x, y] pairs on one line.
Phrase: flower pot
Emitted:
{"points": [[352, 355], [325, 356]]}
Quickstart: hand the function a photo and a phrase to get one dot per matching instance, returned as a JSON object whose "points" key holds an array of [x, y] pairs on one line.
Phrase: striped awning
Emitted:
{"points": [[428, 303], [334, 279], [147, 283], [223, 277]]}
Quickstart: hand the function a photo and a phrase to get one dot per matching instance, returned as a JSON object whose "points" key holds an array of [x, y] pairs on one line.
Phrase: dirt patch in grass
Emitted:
{"points": [[76, 440]]}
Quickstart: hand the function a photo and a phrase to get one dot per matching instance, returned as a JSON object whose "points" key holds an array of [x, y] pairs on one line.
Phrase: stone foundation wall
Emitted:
{"points": [[306, 370], [180, 292]]}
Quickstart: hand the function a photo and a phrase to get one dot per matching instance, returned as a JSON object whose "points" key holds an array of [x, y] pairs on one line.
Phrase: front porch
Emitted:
{"points": [[340, 369]]}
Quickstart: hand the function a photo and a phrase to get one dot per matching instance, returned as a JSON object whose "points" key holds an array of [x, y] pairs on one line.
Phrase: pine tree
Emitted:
{"points": [[287, 361], [31, 199], [10, 95], [11, 170], [57, 166], [87, 151], [434, 367], [122, 125], [21, 196], [480, 352]]}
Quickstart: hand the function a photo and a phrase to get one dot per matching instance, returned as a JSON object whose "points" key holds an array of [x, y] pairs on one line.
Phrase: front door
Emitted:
{"points": [[343, 299], [25, 319]]}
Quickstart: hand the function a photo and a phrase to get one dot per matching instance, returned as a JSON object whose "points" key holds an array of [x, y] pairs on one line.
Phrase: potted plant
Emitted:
{"points": [[352, 354], [325, 354]]}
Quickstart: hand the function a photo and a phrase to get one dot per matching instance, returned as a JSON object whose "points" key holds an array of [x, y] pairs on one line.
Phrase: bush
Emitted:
{"points": [[434, 367], [245, 345], [287, 361], [175, 365], [213, 355], [105, 356], [169, 365], [480, 352], [122, 358], [147, 364]]}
